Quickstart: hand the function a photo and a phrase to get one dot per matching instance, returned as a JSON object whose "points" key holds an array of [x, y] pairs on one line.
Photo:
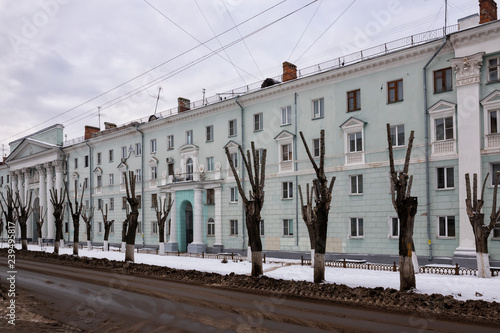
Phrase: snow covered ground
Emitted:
{"points": [[461, 287]]}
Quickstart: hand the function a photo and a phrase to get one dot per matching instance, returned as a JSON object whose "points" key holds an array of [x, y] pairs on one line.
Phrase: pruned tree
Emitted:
{"points": [[406, 208], [254, 203], [133, 202], [23, 212], [87, 218], [75, 215], [309, 217], [107, 227], [57, 201], [7, 205], [317, 217], [162, 211], [39, 224], [125, 227], [476, 218]]}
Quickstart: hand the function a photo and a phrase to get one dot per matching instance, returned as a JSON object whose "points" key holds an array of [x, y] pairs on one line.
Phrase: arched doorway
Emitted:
{"points": [[189, 223], [186, 225], [34, 218]]}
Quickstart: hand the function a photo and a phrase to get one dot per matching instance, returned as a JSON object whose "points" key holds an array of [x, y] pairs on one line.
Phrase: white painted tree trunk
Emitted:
{"points": [[56, 247], [319, 267], [249, 254], [89, 245], [312, 257], [129, 252], [40, 242], [123, 247], [105, 246], [416, 267], [161, 250], [257, 267], [483, 265], [75, 248], [62, 242]]}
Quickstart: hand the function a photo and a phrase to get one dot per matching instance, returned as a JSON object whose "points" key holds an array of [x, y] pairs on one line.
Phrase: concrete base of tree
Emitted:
{"points": [[414, 258], [319, 267], [129, 252], [89, 245], [406, 274], [75, 248], [171, 247], [105, 246], [483, 265], [196, 248], [56, 247], [257, 269], [161, 249], [61, 243], [40, 242]]}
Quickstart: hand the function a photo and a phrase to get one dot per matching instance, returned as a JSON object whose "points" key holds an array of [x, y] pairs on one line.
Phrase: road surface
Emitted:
{"points": [[102, 301]]}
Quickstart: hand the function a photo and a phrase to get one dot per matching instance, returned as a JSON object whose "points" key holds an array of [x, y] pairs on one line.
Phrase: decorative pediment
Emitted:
{"points": [[187, 147], [98, 171], [29, 147], [231, 145], [443, 108], [153, 162], [492, 100], [75, 175], [284, 135], [352, 122], [123, 167]]}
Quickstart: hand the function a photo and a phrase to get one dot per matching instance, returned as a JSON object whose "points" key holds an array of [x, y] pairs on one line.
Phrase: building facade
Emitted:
{"points": [[446, 89]]}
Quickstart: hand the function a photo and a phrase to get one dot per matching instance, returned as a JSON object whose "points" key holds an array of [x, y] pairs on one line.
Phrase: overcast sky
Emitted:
{"points": [[59, 58]]}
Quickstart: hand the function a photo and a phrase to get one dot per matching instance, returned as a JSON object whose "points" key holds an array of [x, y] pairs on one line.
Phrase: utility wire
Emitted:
{"points": [[325, 31], [303, 32]]}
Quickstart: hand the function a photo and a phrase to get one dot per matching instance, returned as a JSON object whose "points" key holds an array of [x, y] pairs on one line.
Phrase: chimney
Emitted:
{"points": [[89, 131], [184, 104], [109, 125], [487, 11], [289, 71]]}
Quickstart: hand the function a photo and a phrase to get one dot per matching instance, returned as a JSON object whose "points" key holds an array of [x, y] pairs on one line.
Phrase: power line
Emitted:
{"points": [[303, 32]]}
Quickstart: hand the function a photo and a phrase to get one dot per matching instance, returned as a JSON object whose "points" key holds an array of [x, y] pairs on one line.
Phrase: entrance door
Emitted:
{"points": [[34, 219], [189, 223]]}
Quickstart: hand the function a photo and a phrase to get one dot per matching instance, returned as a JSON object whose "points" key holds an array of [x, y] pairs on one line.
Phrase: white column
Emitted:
{"points": [[42, 196], [20, 192], [197, 216], [13, 184], [29, 223], [173, 245], [51, 231], [218, 216], [468, 76]]}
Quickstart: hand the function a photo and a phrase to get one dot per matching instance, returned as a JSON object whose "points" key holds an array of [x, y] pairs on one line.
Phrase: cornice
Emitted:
{"points": [[476, 35]]}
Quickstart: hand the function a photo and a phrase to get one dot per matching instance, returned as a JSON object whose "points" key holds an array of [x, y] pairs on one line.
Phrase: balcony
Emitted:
{"points": [[444, 147]]}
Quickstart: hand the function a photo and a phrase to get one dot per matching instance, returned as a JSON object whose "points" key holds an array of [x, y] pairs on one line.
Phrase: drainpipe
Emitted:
{"points": [[142, 183], [296, 176], [427, 176], [67, 185], [242, 172], [91, 198]]}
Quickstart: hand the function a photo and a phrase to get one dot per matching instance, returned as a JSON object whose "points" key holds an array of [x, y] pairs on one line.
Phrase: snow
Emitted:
{"points": [[461, 287]]}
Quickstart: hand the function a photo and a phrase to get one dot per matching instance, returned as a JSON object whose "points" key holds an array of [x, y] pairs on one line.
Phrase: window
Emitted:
{"points": [[258, 122], [318, 108], [398, 135], [111, 155], [140, 200], [209, 131], [210, 163], [442, 80], [496, 230], [124, 202], [232, 127], [86, 161], [234, 227], [123, 178], [99, 224], [170, 142], [153, 146], [286, 115], [154, 200], [111, 179], [112, 228], [154, 172], [495, 167], [124, 152], [444, 129], [234, 194], [87, 204], [394, 227], [99, 204], [234, 158], [316, 147], [99, 158], [357, 227], [189, 137], [445, 178], [189, 169], [354, 100], [211, 227], [76, 163], [210, 196], [154, 227], [446, 226], [86, 183], [287, 190], [111, 203], [494, 125], [286, 152], [287, 227], [261, 228], [260, 153], [138, 175], [356, 142], [493, 69], [395, 91], [357, 184], [1, 181], [139, 228], [138, 149]]}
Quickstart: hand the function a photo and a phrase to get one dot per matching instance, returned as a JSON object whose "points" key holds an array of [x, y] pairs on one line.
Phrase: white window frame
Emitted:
{"points": [[285, 138], [287, 227], [189, 169], [138, 149], [209, 133], [258, 122], [153, 146], [112, 204], [493, 172], [76, 163], [357, 234], [286, 115], [491, 103], [232, 129], [393, 219], [111, 179], [352, 126], [170, 142], [442, 110], [446, 170], [138, 175], [493, 67], [210, 163], [447, 231], [318, 108], [154, 227], [110, 155], [495, 233], [233, 227], [286, 150], [99, 158], [316, 147], [189, 137], [287, 190], [358, 179], [233, 153], [154, 172], [124, 152], [262, 228], [210, 227], [233, 195], [395, 137]]}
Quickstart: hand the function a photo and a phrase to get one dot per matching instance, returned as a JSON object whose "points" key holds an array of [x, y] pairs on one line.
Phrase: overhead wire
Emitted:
{"points": [[305, 29]]}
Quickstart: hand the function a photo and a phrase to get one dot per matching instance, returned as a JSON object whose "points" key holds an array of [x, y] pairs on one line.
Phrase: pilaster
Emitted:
{"points": [[172, 245]]}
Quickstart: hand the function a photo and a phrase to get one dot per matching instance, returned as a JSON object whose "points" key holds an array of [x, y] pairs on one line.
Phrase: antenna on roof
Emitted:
{"points": [[99, 116], [157, 98], [445, 16]]}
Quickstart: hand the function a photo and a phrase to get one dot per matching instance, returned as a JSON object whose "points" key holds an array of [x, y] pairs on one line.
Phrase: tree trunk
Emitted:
{"points": [[483, 265], [40, 242], [406, 274], [24, 244], [161, 250], [89, 245], [129, 252], [161, 228], [24, 237], [75, 248], [312, 257], [56, 247], [253, 222], [61, 242], [257, 263], [416, 267], [319, 267], [105, 246], [123, 247]]}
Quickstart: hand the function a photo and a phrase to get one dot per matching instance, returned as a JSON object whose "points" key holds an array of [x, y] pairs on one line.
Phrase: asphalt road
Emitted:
{"points": [[100, 301]]}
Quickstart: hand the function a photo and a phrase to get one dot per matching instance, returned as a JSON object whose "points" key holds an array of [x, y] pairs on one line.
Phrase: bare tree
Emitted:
{"points": [[125, 227], [107, 228], [309, 217], [253, 204], [23, 212], [162, 211], [406, 208], [87, 218], [317, 218], [75, 215], [39, 224], [58, 204], [476, 218], [8, 210], [134, 202]]}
